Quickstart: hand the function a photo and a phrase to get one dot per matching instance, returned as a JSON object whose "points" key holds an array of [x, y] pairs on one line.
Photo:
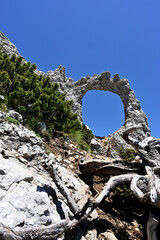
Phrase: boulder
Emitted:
{"points": [[108, 235], [15, 115], [7, 46], [28, 195], [95, 145]]}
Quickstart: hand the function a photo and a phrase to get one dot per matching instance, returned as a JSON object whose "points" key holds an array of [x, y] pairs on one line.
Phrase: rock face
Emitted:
{"points": [[28, 195], [24, 182], [76, 90], [7, 46]]}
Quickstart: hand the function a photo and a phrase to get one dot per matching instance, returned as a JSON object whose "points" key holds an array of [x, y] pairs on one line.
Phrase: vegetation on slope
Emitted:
{"points": [[37, 99], [127, 154]]}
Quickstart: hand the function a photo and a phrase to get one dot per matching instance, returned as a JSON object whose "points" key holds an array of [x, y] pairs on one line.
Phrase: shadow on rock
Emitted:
{"points": [[51, 192]]}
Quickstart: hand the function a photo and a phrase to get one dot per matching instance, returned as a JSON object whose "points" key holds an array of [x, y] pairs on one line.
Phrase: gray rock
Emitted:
{"points": [[95, 145], [7, 46], [107, 236], [2, 116], [75, 91], [15, 115], [25, 204], [78, 188], [29, 152], [2, 98], [24, 201], [91, 235]]}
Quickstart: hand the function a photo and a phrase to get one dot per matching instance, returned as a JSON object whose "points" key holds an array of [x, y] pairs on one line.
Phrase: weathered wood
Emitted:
{"points": [[107, 168], [43, 233], [64, 191], [111, 184], [129, 130], [46, 232], [148, 149], [146, 188], [136, 191], [7, 233], [151, 227]]}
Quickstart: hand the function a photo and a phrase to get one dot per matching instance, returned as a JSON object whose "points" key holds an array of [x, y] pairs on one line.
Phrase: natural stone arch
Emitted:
{"points": [[144, 181], [132, 109], [75, 91]]}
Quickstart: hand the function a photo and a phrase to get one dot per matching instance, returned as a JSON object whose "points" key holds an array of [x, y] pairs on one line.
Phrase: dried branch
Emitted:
{"points": [[129, 130], [107, 168], [64, 191], [136, 191], [151, 227], [111, 184], [43, 233]]}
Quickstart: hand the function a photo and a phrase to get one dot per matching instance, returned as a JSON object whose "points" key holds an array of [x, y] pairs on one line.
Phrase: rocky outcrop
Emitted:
{"points": [[7, 46], [28, 195], [75, 91]]}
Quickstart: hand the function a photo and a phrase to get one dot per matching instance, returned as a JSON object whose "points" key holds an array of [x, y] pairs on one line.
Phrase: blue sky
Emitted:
{"points": [[89, 37]]}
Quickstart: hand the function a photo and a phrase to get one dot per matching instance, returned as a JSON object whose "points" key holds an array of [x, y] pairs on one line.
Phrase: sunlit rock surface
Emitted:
{"points": [[75, 91], [24, 179], [24, 199]]}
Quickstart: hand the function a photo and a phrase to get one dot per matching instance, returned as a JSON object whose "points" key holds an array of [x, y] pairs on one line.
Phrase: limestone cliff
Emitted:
{"points": [[76, 90], [31, 200], [30, 197], [7, 46]]}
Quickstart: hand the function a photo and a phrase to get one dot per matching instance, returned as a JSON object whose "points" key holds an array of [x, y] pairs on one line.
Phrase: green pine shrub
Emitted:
{"points": [[34, 124], [37, 99], [87, 134], [127, 154], [123, 191], [76, 137]]}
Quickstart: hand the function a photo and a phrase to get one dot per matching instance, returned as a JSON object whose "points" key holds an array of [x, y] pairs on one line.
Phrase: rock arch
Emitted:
{"points": [[75, 91]]}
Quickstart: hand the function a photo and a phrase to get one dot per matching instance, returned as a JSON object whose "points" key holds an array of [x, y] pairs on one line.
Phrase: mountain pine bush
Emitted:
{"points": [[36, 98]]}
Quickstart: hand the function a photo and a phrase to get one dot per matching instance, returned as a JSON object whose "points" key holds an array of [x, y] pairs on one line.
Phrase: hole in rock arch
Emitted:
{"points": [[102, 112]]}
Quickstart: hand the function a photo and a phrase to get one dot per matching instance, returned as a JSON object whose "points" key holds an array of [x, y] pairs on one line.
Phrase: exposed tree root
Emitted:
{"points": [[64, 191], [145, 187], [151, 227]]}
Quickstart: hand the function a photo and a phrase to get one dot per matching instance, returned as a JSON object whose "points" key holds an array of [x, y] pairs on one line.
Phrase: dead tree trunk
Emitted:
{"points": [[144, 182], [149, 150]]}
